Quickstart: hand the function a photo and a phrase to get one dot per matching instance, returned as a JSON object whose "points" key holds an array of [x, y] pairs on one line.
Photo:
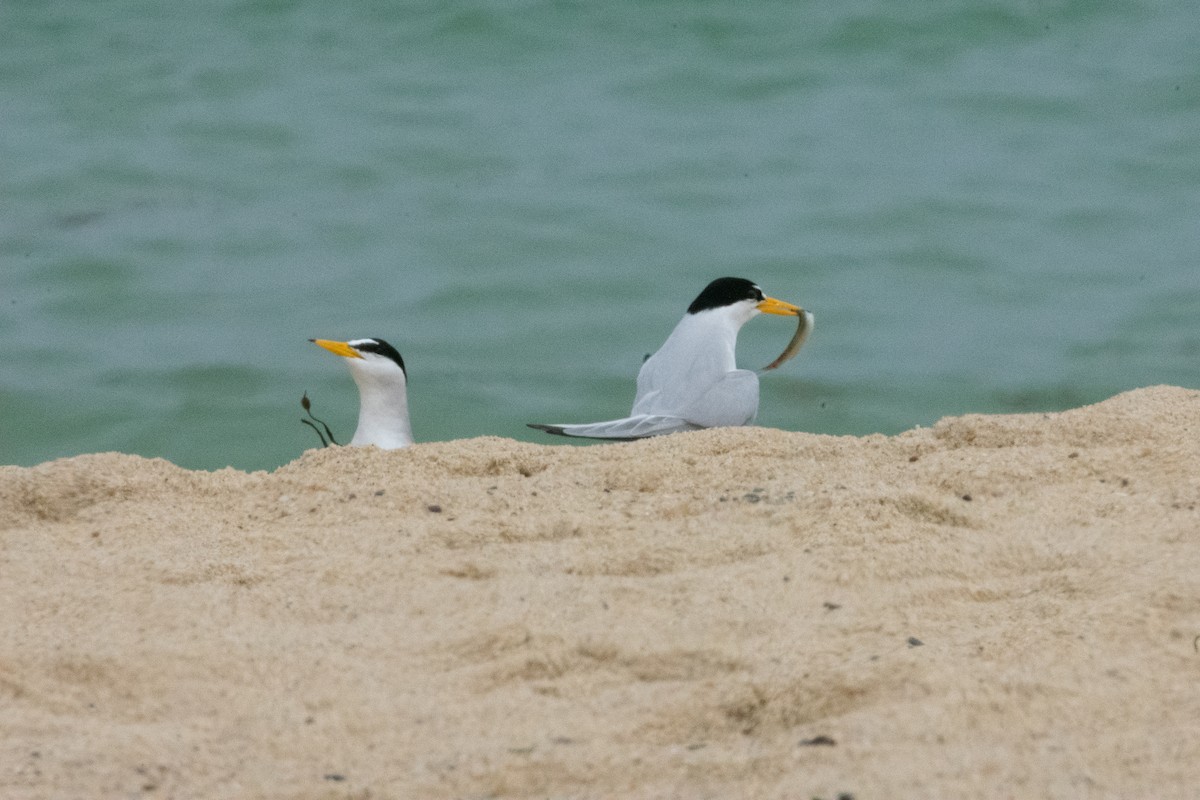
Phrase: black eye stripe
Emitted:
{"points": [[381, 348]]}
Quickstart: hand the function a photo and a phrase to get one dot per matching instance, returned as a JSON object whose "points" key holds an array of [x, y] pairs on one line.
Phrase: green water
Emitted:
{"points": [[989, 207]]}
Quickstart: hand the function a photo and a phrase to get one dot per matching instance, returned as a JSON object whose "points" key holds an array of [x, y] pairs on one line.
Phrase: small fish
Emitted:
{"points": [[804, 326]]}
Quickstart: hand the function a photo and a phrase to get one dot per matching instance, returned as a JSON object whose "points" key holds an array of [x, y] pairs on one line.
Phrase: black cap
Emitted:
{"points": [[725, 292]]}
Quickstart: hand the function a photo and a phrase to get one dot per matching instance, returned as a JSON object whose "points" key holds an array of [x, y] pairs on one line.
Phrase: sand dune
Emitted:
{"points": [[997, 606]]}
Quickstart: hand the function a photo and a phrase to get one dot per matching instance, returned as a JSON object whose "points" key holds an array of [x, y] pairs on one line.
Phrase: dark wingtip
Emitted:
{"points": [[557, 430]]}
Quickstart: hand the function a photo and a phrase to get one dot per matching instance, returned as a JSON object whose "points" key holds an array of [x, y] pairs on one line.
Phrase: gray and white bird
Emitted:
{"points": [[693, 382], [382, 391]]}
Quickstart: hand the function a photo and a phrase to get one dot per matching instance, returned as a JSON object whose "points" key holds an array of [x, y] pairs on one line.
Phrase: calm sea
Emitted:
{"points": [[989, 207]]}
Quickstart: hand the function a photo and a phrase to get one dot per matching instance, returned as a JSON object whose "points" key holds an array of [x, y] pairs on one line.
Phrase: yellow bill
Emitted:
{"points": [[769, 305], [337, 348]]}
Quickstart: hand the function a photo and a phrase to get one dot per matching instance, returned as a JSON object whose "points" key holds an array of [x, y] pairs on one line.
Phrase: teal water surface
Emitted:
{"points": [[989, 207]]}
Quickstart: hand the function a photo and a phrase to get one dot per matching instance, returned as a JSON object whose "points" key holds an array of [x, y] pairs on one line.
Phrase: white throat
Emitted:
{"points": [[383, 404]]}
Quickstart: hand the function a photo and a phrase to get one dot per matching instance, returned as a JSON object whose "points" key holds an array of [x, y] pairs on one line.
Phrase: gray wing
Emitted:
{"points": [[636, 427], [731, 401]]}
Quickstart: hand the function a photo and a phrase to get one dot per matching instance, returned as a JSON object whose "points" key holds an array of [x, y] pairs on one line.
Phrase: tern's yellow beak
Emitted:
{"points": [[337, 348], [770, 305]]}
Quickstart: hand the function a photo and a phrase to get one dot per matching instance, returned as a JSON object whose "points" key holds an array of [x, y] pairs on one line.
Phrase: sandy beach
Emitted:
{"points": [[995, 606]]}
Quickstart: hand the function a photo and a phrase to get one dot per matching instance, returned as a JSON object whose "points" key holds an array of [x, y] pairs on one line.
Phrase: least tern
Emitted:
{"points": [[382, 391], [693, 382]]}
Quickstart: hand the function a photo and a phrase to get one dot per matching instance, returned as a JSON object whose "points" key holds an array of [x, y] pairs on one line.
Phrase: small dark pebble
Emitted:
{"points": [[697, 746], [967, 497], [379, 492], [335, 776], [435, 508], [751, 497], [818, 741], [831, 606], [914, 642], [911, 459]]}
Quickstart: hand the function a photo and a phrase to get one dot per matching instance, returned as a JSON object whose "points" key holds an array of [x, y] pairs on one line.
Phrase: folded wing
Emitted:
{"points": [[730, 401], [635, 427]]}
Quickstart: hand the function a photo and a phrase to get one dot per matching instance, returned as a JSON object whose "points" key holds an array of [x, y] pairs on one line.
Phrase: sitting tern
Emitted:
{"points": [[382, 391], [693, 382]]}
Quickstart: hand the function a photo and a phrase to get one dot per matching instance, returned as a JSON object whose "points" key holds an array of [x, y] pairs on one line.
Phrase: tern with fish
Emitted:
{"points": [[693, 382]]}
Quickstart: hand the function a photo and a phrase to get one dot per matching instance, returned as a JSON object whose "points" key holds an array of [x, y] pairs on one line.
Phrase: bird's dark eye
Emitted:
{"points": [[379, 347]]}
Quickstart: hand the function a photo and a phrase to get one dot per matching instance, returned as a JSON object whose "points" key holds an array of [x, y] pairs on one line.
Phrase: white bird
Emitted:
{"points": [[693, 382], [382, 391]]}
